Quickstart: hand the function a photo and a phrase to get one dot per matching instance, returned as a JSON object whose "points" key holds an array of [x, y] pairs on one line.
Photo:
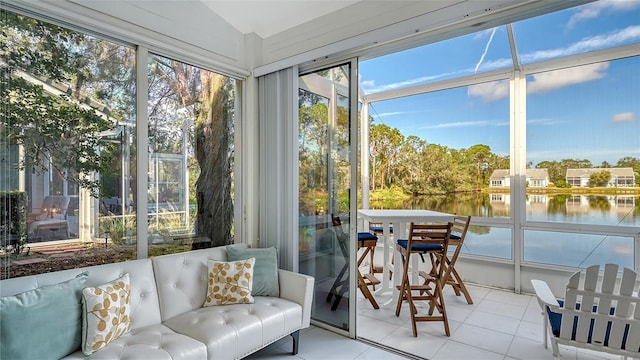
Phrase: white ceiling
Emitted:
{"points": [[269, 17]]}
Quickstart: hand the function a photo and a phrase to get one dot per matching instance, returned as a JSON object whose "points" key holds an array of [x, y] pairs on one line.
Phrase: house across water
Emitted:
{"points": [[618, 177], [536, 178]]}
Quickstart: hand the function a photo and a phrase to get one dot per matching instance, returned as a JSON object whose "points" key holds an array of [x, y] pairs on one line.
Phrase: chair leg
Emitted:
{"points": [[443, 310], [459, 286], [403, 284], [338, 288], [364, 288]]}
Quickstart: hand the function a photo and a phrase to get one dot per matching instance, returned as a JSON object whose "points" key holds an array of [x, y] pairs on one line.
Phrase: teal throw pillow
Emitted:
{"points": [[265, 271], [43, 323]]}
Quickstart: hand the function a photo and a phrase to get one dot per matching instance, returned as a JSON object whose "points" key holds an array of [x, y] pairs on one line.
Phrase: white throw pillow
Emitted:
{"points": [[106, 313], [230, 282]]}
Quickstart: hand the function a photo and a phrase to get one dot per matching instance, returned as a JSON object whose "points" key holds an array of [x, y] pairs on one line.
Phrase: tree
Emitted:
{"points": [[57, 130], [633, 163], [600, 178], [177, 87], [385, 144], [214, 154]]}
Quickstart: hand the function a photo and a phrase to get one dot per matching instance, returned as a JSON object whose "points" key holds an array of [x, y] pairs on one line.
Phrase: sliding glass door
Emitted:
{"points": [[325, 176]]}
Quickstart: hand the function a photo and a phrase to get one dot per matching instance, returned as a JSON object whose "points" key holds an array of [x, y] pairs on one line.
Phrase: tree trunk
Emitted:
{"points": [[213, 139]]}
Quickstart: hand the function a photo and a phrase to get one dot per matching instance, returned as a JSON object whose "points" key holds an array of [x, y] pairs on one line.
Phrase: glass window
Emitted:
{"points": [[191, 157], [594, 26], [449, 158], [488, 241], [465, 55], [324, 187], [577, 250], [583, 129], [67, 117]]}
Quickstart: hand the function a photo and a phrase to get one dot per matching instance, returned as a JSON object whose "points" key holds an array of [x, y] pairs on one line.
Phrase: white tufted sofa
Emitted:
{"points": [[168, 320]]}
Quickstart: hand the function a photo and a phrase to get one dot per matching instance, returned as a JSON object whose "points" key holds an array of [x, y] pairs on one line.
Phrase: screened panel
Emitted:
{"points": [[583, 136], [594, 26], [577, 250], [191, 132], [67, 133], [465, 55], [452, 158]]}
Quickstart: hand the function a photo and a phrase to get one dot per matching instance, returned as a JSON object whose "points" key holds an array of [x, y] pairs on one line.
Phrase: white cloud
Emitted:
{"points": [[552, 80], [479, 123], [490, 91], [587, 44], [541, 82], [624, 117], [594, 9], [392, 113], [631, 33], [410, 82], [368, 83], [544, 122]]}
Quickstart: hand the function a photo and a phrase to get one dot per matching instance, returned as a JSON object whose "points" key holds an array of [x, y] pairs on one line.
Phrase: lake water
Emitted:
{"points": [[559, 248]]}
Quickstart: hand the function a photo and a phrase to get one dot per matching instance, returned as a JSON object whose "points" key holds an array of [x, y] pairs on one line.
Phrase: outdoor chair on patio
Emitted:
{"points": [[50, 220], [432, 240], [366, 241], [459, 228], [602, 313]]}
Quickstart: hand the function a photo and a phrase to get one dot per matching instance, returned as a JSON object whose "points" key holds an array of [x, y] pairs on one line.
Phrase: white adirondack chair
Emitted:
{"points": [[600, 314]]}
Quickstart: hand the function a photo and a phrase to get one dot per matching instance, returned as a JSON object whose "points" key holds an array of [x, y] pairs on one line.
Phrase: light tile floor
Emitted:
{"points": [[499, 325]]}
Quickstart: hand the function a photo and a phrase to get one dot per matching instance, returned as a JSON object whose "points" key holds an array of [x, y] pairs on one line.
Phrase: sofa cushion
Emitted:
{"points": [[150, 342], [43, 323], [234, 331], [230, 282], [107, 313], [182, 278], [265, 275]]}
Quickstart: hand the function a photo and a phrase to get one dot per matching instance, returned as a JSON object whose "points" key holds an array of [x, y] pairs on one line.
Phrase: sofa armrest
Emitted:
{"points": [[299, 289]]}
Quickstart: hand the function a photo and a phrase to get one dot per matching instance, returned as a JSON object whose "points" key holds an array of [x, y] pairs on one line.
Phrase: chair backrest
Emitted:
{"points": [[430, 238], [340, 234], [609, 311], [459, 228], [337, 226], [54, 206]]}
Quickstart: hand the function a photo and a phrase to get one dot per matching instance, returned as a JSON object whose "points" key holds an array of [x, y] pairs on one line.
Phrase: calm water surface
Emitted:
{"points": [[577, 250]]}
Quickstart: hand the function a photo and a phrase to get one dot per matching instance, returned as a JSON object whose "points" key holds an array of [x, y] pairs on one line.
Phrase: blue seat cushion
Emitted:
{"points": [[362, 236], [380, 229], [454, 237], [419, 247], [556, 319]]}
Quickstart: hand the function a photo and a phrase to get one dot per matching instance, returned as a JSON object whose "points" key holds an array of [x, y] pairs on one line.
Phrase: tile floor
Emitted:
{"points": [[499, 325]]}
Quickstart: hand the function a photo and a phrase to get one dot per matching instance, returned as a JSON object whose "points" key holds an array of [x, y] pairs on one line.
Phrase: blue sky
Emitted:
{"points": [[591, 112]]}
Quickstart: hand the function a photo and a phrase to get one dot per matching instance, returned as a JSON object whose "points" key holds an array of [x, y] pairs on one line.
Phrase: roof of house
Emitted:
{"points": [[531, 173], [586, 172], [499, 174], [538, 173]]}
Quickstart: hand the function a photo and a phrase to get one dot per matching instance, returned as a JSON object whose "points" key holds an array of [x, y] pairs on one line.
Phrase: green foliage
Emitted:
{"points": [[393, 193], [13, 212], [600, 178], [48, 98], [633, 163], [117, 228], [419, 168]]}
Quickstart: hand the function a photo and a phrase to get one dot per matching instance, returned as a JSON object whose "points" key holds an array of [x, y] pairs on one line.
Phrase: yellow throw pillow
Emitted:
{"points": [[106, 313], [230, 282]]}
